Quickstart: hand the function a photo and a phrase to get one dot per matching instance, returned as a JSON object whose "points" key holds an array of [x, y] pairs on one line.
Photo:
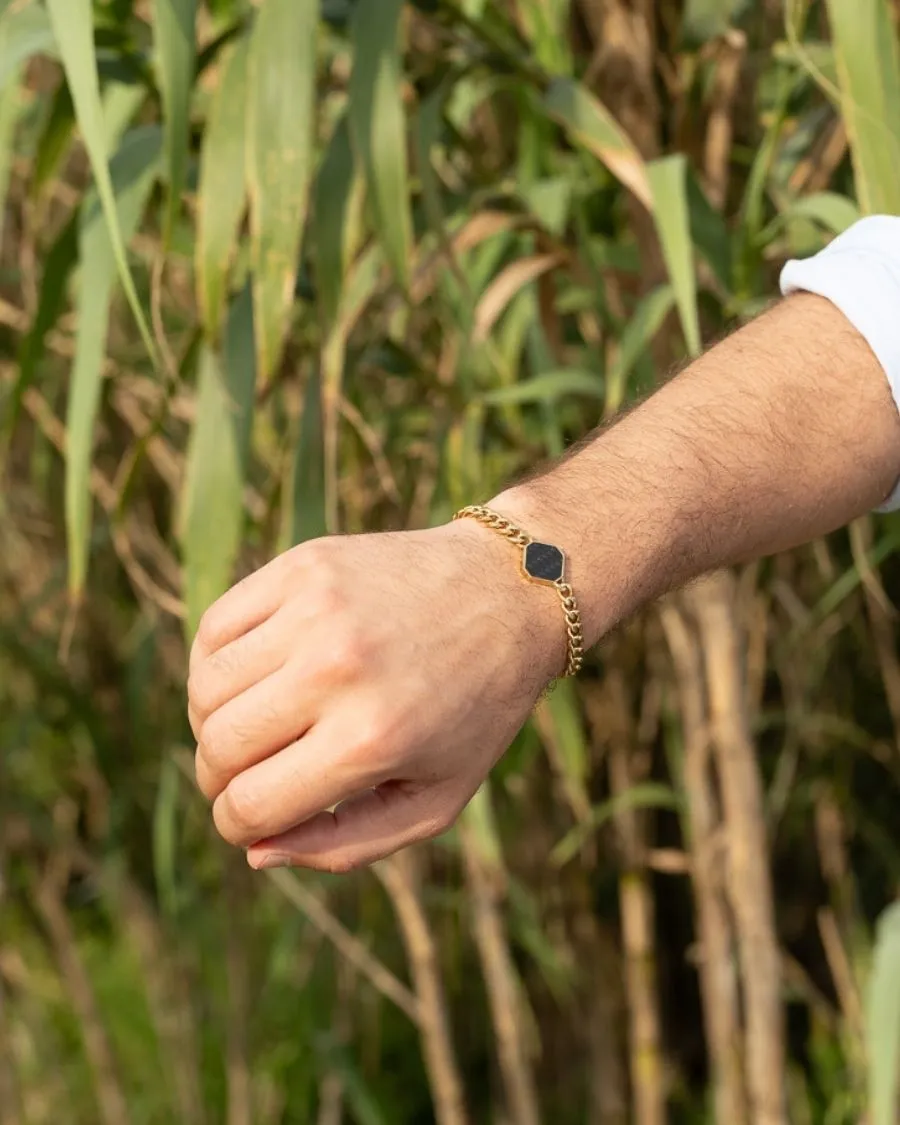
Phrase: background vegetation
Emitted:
{"points": [[278, 269]]}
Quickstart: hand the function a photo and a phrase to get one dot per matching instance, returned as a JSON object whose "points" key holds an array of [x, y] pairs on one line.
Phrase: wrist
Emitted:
{"points": [[532, 628], [541, 519], [612, 522]]}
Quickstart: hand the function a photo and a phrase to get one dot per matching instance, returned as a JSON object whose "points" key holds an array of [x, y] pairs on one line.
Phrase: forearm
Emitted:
{"points": [[785, 431], [382, 676]]}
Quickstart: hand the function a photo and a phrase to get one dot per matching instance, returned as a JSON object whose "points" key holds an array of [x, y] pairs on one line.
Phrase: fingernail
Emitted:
{"points": [[267, 862]]}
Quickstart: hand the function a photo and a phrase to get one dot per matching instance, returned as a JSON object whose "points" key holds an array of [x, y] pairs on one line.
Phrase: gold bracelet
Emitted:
{"points": [[542, 563]]}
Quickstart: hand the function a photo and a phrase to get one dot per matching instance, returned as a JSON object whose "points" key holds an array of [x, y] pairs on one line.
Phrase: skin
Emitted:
{"points": [[383, 676]]}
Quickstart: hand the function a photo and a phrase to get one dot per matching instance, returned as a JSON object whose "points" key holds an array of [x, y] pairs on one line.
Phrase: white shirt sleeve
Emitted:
{"points": [[859, 272]]}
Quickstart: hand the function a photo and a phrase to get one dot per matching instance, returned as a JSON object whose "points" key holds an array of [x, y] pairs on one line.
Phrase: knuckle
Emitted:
{"points": [[225, 661], [194, 719], [202, 690], [328, 599], [318, 563], [240, 813], [211, 630], [312, 558], [216, 740], [346, 653], [373, 738], [205, 777], [328, 594]]}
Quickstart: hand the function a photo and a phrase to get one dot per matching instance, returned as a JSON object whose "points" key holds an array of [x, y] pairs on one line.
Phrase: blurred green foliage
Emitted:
{"points": [[279, 269]]}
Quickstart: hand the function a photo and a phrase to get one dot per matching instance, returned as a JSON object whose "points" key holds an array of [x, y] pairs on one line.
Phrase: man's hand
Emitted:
{"points": [[386, 674], [383, 675]]}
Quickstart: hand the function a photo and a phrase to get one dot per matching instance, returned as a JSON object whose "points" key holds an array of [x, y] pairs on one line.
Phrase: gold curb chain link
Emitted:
{"points": [[574, 628]]}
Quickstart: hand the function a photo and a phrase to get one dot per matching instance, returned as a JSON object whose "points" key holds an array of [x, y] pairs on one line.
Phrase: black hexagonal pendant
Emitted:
{"points": [[544, 563]]}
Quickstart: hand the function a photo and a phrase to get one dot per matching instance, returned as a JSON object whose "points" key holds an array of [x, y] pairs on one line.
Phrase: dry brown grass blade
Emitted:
{"points": [[814, 172], [10, 1103], [476, 230], [749, 878], [612, 723], [112, 1103], [505, 286], [136, 538], [348, 946], [331, 1099], [485, 884], [716, 962], [842, 973], [400, 878], [374, 445], [839, 923], [331, 1084], [730, 52], [601, 1006], [238, 1067], [167, 998], [882, 618], [571, 786]]}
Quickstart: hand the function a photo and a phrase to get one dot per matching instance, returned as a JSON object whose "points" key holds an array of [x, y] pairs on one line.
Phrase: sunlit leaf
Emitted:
{"points": [[131, 176], [865, 44], [832, 211], [58, 266], [212, 508], [709, 230], [222, 192], [240, 371], [636, 338], [668, 183], [212, 512], [480, 228], [591, 124], [24, 32], [547, 387], [560, 724], [165, 835], [848, 581], [176, 53], [303, 505], [546, 26], [55, 139], [281, 102], [337, 205], [121, 101], [648, 795], [10, 109], [704, 20], [550, 201], [506, 286], [72, 23], [480, 822], [883, 1020], [358, 290], [378, 127]]}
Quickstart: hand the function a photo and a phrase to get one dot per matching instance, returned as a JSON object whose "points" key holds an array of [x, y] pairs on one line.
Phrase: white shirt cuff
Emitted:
{"points": [[859, 272]]}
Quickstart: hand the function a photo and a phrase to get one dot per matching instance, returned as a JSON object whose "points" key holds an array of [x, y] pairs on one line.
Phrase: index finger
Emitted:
{"points": [[249, 603]]}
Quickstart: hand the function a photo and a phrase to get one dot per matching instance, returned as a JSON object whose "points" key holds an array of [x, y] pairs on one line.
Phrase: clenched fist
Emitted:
{"points": [[349, 698]]}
